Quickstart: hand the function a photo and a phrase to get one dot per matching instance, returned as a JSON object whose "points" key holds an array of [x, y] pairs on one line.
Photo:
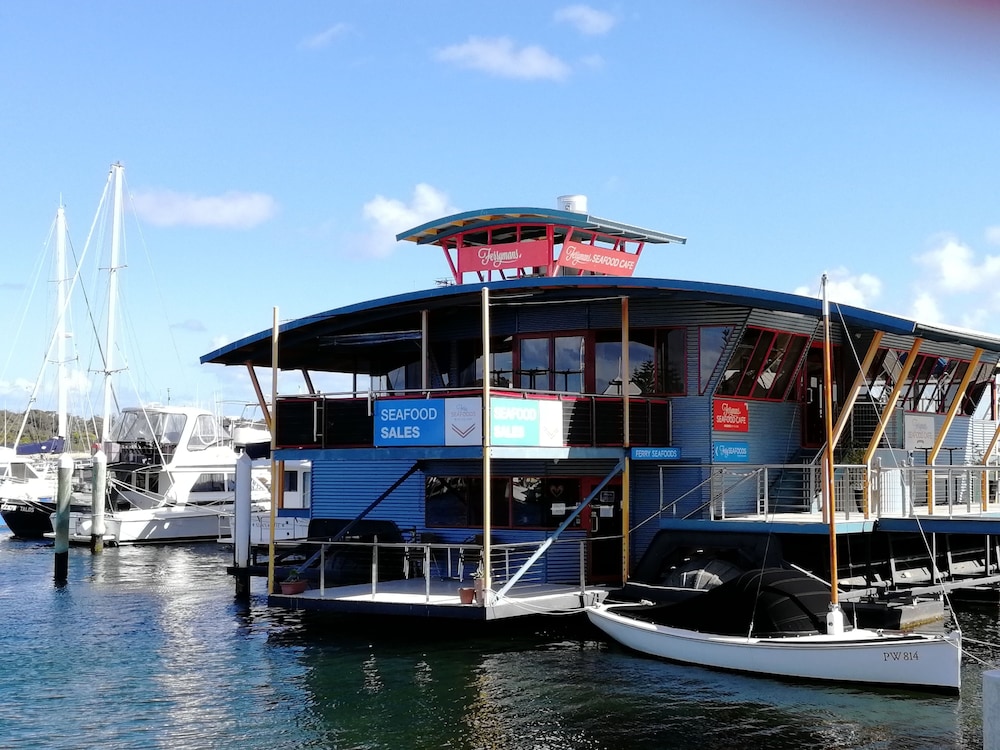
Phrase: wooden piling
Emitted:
{"points": [[60, 521], [97, 528]]}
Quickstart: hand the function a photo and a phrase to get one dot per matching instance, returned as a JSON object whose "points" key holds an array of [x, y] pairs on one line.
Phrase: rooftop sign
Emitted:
{"points": [[601, 260]]}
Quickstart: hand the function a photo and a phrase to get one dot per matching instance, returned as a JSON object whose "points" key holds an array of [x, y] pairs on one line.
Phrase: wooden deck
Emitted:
{"points": [[419, 597]]}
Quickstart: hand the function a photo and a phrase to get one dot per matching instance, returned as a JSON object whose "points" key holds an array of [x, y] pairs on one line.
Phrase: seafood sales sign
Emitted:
{"points": [[730, 416]]}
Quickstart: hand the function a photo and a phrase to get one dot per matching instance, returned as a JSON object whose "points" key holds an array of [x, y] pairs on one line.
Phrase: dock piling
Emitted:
{"points": [[99, 462], [241, 526], [991, 709], [60, 522]]}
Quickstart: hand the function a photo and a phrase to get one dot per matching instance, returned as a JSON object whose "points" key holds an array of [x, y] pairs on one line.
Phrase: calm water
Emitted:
{"points": [[146, 648]]}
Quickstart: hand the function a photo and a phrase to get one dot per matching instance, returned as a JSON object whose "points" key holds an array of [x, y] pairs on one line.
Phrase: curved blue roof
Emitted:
{"points": [[298, 338], [435, 231]]}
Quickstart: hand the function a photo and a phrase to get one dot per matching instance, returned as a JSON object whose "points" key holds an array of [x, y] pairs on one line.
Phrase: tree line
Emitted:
{"points": [[42, 425]]}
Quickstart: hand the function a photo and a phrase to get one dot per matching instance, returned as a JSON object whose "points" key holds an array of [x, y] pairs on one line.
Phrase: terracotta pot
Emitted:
{"points": [[293, 587]]}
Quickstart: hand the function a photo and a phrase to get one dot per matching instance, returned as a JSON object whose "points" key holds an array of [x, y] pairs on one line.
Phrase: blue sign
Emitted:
{"points": [[731, 452], [656, 454], [409, 422], [514, 421]]}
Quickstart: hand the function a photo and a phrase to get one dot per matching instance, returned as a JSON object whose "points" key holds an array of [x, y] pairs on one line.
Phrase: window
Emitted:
{"points": [[763, 365], [712, 342], [515, 502], [212, 482], [657, 360]]}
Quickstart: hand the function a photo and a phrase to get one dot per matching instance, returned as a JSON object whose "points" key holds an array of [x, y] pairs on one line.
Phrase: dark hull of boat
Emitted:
{"points": [[30, 519]]}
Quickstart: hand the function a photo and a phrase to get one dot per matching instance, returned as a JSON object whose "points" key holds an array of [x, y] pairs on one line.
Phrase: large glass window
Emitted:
{"points": [[515, 502], [762, 365], [501, 364], [551, 364], [712, 342], [656, 360]]}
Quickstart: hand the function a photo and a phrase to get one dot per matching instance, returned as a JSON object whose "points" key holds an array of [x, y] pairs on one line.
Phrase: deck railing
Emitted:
{"points": [[335, 564], [739, 491], [347, 421]]}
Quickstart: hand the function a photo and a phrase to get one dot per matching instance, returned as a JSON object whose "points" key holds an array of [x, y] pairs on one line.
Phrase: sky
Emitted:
{"points": [[272, 152]]}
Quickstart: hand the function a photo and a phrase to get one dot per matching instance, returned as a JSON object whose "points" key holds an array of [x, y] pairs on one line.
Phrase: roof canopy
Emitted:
{"points": [[436, 231], [358, 333]]}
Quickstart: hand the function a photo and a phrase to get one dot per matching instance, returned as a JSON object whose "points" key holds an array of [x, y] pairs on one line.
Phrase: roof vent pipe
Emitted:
{"points": [[576, 203]]}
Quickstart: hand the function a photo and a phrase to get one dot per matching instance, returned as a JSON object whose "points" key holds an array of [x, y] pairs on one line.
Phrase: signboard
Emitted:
{"points": [[433, 421], [515, 421], [918, 432], [655, 454], [730, 416], [730, 452], [485, 258], [597, 259]]}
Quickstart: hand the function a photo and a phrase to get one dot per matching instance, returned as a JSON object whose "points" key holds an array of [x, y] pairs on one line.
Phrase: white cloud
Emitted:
{"points": [[232, 210], [953, 268], [387, 217], [324, 38], [993, 235], [586, 20], [859, 290], [926, 309], [502, 58]]}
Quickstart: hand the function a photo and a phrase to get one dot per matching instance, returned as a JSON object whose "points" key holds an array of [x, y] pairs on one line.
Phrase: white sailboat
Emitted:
{"points": [[796, 643], [171, 469], [28, 476]]}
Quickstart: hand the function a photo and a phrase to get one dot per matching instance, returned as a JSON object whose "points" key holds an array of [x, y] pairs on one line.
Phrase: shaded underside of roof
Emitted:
{"points": [[395, 320], [440, 229]]}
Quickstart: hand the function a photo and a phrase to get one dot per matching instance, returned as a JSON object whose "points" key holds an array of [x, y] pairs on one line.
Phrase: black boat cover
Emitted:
{"points": [[775, 601]]}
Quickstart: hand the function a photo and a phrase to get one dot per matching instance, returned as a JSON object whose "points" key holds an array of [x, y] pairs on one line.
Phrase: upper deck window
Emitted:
{"points": [[762, 365]]}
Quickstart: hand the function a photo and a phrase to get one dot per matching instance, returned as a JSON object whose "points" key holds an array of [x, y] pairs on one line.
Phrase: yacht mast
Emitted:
{"points": [[116, 228], [61, 320]]}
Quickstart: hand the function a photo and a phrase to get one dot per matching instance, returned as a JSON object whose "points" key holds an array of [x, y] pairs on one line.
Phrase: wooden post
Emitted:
{"points": [[99, 464], [60, 522]]}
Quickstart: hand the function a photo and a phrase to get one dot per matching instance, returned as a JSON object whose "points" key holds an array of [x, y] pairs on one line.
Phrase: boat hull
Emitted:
{"points": [[919, 661], [153, 526], [30, 519]]}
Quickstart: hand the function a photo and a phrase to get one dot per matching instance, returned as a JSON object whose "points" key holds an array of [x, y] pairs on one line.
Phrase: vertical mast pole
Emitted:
{"points": [[63, 408], [109, 346], [487, 474], [828, 452]]}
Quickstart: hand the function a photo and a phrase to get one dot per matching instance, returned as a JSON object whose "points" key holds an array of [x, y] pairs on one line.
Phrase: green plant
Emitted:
{"points": [[293, 575]]}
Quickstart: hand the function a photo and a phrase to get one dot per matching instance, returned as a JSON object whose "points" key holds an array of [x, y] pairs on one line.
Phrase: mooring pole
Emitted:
{"points": [[241, 527], [99, 464], [60, 521]]}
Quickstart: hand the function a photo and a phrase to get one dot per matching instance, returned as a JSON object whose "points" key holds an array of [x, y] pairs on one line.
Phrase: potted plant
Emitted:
{"points": [[477, 583], [293, 583]]}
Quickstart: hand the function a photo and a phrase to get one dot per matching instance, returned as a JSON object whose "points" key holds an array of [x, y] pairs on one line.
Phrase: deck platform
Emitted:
{"points": [[417, 597]]}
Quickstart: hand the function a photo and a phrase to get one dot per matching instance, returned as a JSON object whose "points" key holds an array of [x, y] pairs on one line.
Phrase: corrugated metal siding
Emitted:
{"points": [[644, 502], [783, 321], [342, 489]]}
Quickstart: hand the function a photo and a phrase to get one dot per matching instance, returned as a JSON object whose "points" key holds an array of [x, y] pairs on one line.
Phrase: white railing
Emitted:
{"points": [[377, 563], [742, 490]]}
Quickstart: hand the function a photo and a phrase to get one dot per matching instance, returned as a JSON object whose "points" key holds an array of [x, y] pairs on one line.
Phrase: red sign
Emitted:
{"points": [[483, 258], [597, 259], [730, 416]]}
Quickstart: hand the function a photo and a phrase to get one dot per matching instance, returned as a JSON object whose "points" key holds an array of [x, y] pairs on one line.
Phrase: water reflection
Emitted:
{"points": [[147, 647]]}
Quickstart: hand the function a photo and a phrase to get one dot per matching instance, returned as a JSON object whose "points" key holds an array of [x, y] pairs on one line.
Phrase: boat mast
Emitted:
{"points": [[834, 619], [116, 227], [63, 407]]}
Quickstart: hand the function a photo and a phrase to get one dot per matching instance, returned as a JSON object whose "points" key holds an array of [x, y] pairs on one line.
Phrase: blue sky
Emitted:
{"points": [[272, 151]]}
